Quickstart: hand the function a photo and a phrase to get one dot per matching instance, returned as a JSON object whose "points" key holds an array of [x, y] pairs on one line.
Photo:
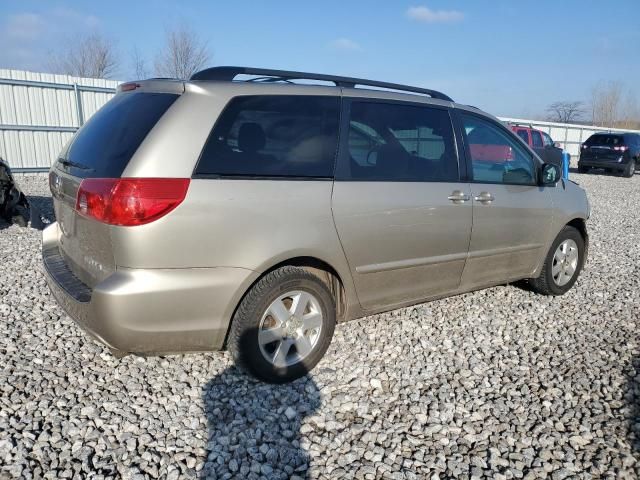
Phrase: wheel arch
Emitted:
{"points": [[580, 224], [316, 266]]}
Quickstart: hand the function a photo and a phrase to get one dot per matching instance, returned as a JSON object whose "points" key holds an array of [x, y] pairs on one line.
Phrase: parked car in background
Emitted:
{"points": [[615, 152], [541, 143], [14, 206], [254, 215]]}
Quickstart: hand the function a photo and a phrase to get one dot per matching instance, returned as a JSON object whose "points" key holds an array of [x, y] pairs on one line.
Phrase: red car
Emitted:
{"points": [[540, 142]]}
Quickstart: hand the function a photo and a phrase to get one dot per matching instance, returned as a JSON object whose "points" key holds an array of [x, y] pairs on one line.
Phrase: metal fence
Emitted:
{"points": [[39, 112]]}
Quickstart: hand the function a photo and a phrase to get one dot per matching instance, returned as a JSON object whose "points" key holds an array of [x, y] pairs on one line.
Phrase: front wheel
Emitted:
{"points": [[283, 326], [562, 265], [631, 168]]}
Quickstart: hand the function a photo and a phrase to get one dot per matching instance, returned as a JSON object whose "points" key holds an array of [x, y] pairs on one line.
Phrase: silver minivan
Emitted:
{"points": [[253, 209]]}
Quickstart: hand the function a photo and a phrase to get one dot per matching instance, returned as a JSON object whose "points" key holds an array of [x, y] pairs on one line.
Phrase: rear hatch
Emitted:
{"points": [[101, 149], [603, 147]]}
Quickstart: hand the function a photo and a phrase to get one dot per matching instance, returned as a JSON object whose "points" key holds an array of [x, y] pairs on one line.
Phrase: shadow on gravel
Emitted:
{"points": [[632, 398], [41, 213], [254, 427], [42, 206]]}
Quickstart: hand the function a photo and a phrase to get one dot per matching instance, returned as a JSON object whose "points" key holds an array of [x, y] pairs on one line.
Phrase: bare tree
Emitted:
{"points": [[630, 113], [605, 103], [90, 55], [139, 64], [184, 53], [565, 112]]}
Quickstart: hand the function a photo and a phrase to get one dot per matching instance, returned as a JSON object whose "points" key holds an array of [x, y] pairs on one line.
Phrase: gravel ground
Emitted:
{"points": [[500, 383]]}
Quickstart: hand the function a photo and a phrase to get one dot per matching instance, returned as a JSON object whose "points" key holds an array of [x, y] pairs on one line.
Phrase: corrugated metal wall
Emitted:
{"points": [[40, 111]]}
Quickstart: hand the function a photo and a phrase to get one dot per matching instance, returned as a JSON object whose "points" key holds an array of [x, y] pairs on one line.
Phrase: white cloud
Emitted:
{"points": [[426, 15], [345, 44], [24, 26]]}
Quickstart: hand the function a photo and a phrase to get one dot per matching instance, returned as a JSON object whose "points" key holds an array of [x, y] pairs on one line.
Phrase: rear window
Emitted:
{"points": [[274, 136], [103, 147], [608, 140]]}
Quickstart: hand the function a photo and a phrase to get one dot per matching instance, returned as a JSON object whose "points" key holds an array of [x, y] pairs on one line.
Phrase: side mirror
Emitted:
{"points": [[549, 174], [557, 145]]}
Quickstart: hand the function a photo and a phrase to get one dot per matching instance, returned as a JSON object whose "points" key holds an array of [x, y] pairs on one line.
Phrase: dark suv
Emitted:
{"points": [[612, 151]]}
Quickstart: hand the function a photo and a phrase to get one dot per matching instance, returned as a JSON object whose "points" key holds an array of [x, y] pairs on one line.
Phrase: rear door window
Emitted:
{"points": [[399, 142], [273, 136], [103, 147], [536, 139], [524, 135]]}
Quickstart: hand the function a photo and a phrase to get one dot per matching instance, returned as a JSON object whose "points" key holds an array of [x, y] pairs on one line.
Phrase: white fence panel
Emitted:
{"points": [[40, 111]]}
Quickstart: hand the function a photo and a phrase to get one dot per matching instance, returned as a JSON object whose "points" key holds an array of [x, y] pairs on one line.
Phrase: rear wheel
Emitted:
{"points": [[283, 326], [631, 168], [562, 265]]}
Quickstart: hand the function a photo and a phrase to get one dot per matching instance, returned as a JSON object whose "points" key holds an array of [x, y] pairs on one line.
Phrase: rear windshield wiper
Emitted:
{"points": [[69, 163]]}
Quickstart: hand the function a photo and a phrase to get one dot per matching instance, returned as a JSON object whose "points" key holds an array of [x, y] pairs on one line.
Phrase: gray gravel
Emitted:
{"points": [[500, 383]]}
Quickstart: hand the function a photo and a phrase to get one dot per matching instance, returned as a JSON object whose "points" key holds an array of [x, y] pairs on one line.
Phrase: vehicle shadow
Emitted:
{"points": [[254, 427], [41, 213], [43, 207]]}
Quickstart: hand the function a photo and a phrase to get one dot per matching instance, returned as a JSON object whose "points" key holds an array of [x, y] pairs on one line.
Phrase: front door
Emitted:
{"points": [[401, 212], [511, 213]]}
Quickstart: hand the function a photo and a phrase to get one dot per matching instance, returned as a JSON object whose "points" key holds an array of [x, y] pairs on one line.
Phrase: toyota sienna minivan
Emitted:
{"points": [[253, 209]]}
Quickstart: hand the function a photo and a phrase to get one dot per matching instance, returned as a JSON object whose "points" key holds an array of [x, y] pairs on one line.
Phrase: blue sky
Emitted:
{"points": [[507, 57]]}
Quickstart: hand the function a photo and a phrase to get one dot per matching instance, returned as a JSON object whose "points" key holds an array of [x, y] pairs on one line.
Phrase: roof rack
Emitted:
{"points": [[521, 124], [229, 73]]}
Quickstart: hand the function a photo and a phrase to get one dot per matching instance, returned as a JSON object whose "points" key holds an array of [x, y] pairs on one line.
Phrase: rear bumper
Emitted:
{"points": [[603, 163], [149, 310]]}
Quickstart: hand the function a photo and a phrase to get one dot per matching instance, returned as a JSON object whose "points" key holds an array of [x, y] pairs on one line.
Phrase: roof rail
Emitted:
{"points": [[229, 73], [522, 124]]}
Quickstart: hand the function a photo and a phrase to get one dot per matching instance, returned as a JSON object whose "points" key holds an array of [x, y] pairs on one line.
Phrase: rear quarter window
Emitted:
{"points": [[103, 147], [273, 136]]}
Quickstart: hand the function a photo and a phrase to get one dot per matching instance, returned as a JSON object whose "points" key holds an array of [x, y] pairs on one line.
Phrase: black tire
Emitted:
{"points": [[582, 169], [608, 170], [545, 284], [631, 168], [242, 341]]}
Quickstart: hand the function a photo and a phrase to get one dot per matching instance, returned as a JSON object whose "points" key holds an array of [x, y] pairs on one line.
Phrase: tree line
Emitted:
{"points": [[94, 55], [609, 106]]}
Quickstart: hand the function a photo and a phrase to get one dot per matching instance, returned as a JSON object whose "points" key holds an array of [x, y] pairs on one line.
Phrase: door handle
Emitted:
{"points": [[458, 197], [484, 197]]}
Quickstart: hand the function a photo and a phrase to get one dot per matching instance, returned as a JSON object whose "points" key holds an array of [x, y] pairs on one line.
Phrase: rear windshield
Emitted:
{"points": [[106, 143], [608, 140]]}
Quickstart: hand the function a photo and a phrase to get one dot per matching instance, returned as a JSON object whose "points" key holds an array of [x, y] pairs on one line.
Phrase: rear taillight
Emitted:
{"points": [[129, 201]]}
